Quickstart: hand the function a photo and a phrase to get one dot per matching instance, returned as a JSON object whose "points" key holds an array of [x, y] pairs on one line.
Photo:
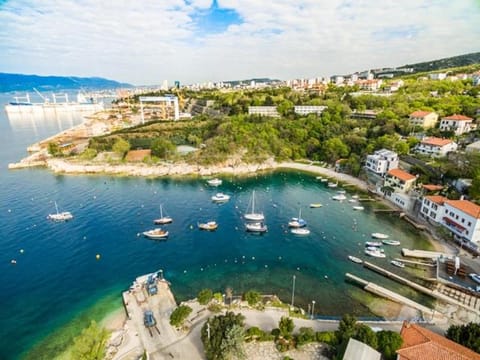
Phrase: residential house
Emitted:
{"points": [[381, 161], [399, 180], [370, 84], [394, 86], [436, 147], [432, 208], [437, 76], [263, 111], [462, 218], [425, 119], [476, 79], [473, 147], [422, 344], [357, 350], [460, 124], [309, 109]]}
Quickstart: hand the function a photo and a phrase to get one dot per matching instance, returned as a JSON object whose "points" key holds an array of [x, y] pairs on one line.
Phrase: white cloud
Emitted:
{"points": [[146, 42]]}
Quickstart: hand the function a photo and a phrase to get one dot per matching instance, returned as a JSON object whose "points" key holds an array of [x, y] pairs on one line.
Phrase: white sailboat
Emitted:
{"points": [[162, 219], [297, 222], [60, 216], [252, 215]]}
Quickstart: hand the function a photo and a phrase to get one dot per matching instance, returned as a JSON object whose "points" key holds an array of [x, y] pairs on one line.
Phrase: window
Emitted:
{"points": [[463, 220], [469, 223]]}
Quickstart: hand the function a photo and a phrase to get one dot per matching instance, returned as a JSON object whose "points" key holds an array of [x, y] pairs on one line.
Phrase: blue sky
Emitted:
{"points": [[204, 40]]}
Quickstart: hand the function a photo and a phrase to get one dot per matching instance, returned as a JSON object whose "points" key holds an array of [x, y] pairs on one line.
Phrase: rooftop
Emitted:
{"points": [[437, 199], [457, 117], [402, 175], [434, 141], [420, 113], [432, 187], [466, 206]]}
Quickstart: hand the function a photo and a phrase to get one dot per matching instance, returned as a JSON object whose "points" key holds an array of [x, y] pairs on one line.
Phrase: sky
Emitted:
{"points": [[147, 42]]}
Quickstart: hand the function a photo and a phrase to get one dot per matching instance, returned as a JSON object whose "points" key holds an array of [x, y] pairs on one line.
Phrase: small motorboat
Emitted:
{"points": [[315, 205], [220, 197], [397, 263], [375, 253], [157, 233], [300, 231], [379, 236], [391, 242], [339, 197], [373, 243], [214, 182], [358, 208], [355, 197], [209, 226], [355, 259], [332, 185], [257, 227]]}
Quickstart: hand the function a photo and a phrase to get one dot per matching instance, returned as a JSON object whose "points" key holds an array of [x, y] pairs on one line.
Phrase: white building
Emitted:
{"points": [[399, 180], [382, 161], [425, 119], [263, 111], [437, 76], [432, 208], [309, 109], [462, 217], [436, 147], [460, 124], [473, 147]]}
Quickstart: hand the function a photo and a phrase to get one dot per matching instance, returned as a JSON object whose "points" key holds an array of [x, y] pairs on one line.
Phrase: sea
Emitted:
{"points": [[67, 274]]}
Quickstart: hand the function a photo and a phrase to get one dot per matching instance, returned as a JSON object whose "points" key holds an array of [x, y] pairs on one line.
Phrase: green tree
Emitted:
{"points": [[204, 296], [223, 336], [252, 297], [162, 147], [366, 335], [179, 315], [467, 335], [334, 149], [306, 335], [388, 343], [53, 149], [121, 146], [90, 344], [286, 326]]}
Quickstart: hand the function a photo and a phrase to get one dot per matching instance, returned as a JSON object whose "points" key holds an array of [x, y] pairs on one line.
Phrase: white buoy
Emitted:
{"points": [[21, 251]]}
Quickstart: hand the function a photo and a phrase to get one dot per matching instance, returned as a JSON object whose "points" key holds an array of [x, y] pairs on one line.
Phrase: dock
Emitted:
{"points": [[424, 254]]}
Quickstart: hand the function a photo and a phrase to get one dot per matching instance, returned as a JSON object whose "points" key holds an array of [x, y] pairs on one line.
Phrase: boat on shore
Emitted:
{"points": [[157, 233], [214, 182], [315, 205], [375, 253], [297, 222], [391, 242], [300, 231], [397, 263], [258, 227], [220, 198], [355, 259], [379, 236], [163, 219], [252, 215], [209, 226], [60, 216]]}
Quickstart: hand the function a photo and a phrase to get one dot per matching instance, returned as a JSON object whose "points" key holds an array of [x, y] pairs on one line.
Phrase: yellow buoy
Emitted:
{"points": [[97, 256]]}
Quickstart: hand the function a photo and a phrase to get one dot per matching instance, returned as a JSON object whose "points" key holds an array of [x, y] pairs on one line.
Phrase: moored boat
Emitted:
{"points": [[358, 208], [163, 219], [157, 233], [252, 215], [209, 226], [300, 231], [391, 242], [220, 197], [214, 182], [373, 243], [355, 259], [315, 205], [60, 216], [379, 236], [375, 253], [397, 263], [332, 185], [297, 222], [258, 227], [339, 197]]}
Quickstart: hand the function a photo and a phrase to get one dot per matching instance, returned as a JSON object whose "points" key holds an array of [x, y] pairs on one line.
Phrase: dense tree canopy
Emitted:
{"points": [[467, 335]]}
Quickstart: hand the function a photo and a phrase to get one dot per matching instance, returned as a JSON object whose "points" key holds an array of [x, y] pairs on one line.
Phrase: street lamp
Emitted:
{"points": [[313, 308], [293, 290]]}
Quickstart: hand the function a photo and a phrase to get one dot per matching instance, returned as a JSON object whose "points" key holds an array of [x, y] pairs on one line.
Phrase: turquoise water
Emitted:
{"points": [[58, 277]]}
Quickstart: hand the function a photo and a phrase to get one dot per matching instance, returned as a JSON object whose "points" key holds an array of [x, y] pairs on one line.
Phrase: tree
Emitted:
{"points": [[161, 147], [467, 335], [204, 296], [252, 297], [305, 335], [388, 343], [366, 335], [286, 326], [90, 344], [53, 149], [121, 146], [179, 315], [223, 336]]}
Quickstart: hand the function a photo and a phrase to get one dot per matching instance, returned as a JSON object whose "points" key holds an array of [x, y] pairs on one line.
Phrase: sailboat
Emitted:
{"points": [[252, 215], [297, 222], [162, 219], [60, 216]]}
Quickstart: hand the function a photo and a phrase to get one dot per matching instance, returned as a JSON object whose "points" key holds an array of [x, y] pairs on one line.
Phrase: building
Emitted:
{"points": [[436, 147], [263, 111], [462, 218], [356, 350], [459, 124], [473, 147], [422, 344], [382, 161], [437, 76], [366, 114], [432, 208], [425, 119], [309, 109], [369, 84], [399, 180]]}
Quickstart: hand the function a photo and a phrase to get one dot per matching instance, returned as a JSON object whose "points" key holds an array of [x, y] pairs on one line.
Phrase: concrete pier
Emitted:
{"points": [[424, 254]]}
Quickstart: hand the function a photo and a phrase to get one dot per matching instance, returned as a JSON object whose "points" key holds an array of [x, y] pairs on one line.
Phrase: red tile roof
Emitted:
{"points": [[431, 187], [402, 175], [420, 113], [422, 344], [437, 199], [456, 117], [466, 206], [434, 141]]}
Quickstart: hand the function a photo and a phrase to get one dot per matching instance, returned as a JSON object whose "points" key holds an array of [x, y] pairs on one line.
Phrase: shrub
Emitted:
{"points": [[179, 315], [306, 335], [204, 296], [286, 326], [252, 297], [254, 333], [327, 337], [215, 308], [88, 154]]}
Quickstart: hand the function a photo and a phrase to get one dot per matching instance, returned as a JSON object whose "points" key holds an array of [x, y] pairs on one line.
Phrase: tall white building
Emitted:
{"points": [[382, 161], [263, 111]]}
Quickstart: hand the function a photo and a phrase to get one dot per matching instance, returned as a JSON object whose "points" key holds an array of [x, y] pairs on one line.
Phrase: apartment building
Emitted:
{"points": [[425, 119], [382, 161], [436, 147]]}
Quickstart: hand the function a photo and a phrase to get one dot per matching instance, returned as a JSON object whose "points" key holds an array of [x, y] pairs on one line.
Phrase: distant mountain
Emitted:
{"points": [[20, 82], [454, 61]]}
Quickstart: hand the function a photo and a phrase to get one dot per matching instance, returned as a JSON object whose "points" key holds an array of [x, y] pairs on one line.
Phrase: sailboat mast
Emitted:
{"points": [[56, 207], [253, 202]]}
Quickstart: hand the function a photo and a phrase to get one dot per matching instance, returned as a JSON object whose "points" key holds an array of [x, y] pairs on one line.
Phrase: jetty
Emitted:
{"points": [[424, 254]]}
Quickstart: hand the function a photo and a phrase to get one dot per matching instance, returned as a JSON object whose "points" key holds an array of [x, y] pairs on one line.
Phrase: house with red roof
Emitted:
{"points": [[432, 208], [400, 180], [436, 147], [420, 343], [459, 124], [425, 119], [462, 218]]}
